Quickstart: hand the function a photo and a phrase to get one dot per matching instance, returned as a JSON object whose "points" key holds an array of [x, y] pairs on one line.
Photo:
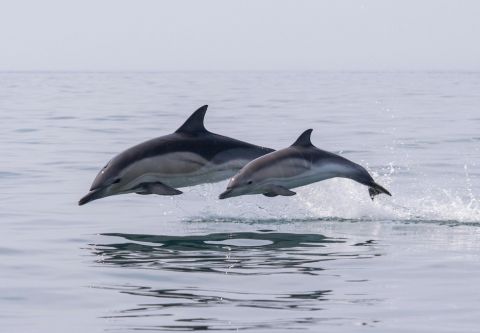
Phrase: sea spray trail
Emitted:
{"points": [[341, 199]]}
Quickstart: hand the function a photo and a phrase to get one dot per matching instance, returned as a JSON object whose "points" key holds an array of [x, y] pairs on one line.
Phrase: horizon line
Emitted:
{"points": [[240, 70]]}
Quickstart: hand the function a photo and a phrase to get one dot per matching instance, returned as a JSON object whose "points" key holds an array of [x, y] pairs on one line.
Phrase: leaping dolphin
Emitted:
{"points": [[190, 156], [300, 164]]}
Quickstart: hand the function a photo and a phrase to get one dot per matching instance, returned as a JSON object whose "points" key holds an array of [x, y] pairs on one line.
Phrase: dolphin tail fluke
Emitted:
{"points": [[376, 189]]}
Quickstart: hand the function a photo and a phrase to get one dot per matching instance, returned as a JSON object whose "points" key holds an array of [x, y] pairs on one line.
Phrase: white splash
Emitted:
{"points": [[345, 199]]}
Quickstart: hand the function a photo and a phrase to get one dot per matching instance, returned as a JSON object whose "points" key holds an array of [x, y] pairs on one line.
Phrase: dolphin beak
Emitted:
{"points": [[90, 196], [226, 194]]}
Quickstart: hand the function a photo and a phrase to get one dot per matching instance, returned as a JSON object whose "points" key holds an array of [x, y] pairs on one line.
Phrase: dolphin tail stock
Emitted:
{"points": [[363, 177], [376, 189]]}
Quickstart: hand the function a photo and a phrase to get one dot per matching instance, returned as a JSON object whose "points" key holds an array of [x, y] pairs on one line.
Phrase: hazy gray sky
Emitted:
{"points": [[239, 35]]}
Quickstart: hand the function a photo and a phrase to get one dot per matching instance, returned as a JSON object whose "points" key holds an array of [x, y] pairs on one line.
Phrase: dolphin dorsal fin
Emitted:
{"points": [[194, 123], [304, 139]]}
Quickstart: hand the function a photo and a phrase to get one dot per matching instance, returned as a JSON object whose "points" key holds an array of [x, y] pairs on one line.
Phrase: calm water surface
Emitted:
{"points": [[328, 259]]}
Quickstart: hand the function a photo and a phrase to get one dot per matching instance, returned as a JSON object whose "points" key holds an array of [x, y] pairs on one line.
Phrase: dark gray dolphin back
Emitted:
{"points": [[360, 174], [315, 155], [214, 147]]}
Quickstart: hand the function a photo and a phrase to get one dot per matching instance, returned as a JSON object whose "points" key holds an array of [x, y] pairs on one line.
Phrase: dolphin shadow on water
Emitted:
{"points": [[223, 273]]}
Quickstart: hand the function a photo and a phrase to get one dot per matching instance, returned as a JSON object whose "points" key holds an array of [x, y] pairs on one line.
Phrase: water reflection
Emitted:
{"points": [[240, 253], [229, 281]]}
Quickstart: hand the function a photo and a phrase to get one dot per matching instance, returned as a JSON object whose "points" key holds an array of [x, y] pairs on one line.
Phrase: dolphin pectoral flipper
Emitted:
{"points": [[156, 188], [275, 190], [270, 195]]}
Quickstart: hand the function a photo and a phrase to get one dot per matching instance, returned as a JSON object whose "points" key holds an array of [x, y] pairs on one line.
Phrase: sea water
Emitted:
{"points": [[326, 260]]}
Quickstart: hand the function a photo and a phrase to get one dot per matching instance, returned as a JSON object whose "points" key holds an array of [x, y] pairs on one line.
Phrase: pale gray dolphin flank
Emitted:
{"points": [[190, 156], [300, 164]]}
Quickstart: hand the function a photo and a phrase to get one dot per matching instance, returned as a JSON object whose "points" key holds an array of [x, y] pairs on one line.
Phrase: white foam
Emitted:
{"points": [[345, 199]]}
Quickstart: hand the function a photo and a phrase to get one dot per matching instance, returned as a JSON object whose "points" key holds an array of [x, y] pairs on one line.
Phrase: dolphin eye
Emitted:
{"points": [[116, 181], [250, 182]]}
